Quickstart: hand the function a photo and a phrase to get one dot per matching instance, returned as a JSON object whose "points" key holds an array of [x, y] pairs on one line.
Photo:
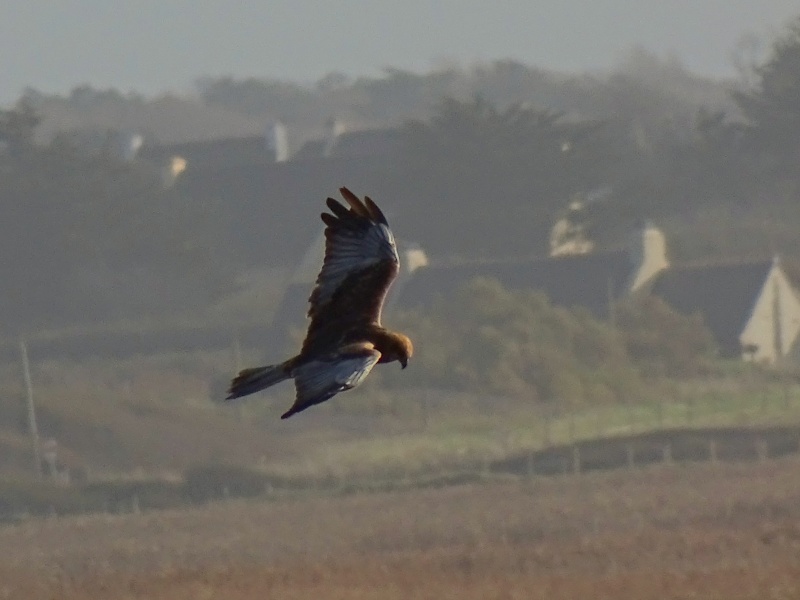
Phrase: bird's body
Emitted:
{"points": [[345, 338]]}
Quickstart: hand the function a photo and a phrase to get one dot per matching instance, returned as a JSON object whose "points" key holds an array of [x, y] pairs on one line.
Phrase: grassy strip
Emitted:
{"points": [[20, 498]]}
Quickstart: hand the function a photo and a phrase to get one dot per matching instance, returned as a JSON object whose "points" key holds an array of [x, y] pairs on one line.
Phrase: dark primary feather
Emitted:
{"points": [[361, 262], [367, 208], [377, 213], [356, 205]]}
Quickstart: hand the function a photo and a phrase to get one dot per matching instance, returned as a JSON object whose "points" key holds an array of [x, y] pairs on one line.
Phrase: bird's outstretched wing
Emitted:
{"points": [[361, 262], [322, 378]]}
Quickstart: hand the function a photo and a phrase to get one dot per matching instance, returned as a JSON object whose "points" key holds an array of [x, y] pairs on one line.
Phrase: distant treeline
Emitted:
{"points": [[490, 157]]}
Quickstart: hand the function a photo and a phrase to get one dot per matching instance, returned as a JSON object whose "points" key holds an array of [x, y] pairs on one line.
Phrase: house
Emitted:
{"points": [[273, 147], [592, 280], [94, 141], [750, 307], [341, 142], [218, 152], [272, 199]]}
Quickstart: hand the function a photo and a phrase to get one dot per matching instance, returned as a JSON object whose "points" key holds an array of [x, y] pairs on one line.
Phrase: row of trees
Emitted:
{"points": [[492, 181], [642, 86]]}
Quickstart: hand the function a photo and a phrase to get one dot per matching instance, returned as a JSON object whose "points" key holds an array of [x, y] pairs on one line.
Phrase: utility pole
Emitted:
{"points": [[32, 427], [237, 366], [612, 316]]}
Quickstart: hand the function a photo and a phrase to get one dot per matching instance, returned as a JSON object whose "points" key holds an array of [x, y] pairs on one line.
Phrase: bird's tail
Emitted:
{"points": [[249, 381]]}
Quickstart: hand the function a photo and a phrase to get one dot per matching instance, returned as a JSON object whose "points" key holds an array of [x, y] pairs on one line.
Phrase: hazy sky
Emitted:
{"points": [[155, 45]]}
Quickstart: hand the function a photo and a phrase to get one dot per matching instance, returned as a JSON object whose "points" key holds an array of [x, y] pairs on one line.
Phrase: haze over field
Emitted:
{"points": [[152, 47]]}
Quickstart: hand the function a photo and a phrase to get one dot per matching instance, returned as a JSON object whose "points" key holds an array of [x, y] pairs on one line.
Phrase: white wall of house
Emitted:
{"points": [[774, 324], [648, 252]]}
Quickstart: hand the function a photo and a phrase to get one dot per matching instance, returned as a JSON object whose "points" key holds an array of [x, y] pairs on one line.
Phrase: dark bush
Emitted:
{"points": [[662, 342], [488, 339]]}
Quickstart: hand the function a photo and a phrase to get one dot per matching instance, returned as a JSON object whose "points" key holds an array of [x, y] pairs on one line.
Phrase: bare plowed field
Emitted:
{"points": [[727, 531]]}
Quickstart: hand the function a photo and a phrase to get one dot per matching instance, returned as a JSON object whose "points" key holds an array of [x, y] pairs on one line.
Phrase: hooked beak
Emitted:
{"points": [[403, 362]]}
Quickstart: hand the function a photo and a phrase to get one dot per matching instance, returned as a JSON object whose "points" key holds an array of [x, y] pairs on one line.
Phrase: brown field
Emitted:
{"points": [[702, 531]]}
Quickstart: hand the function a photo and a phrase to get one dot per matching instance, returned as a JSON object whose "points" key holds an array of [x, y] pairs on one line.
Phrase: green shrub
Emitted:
{"points": [[491, 340], [662, 342]]}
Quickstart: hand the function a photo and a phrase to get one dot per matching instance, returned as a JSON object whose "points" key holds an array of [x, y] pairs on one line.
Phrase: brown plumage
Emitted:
{"points": [[345, 338]]}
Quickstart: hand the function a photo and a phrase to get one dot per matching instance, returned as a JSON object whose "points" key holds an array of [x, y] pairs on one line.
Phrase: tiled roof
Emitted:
{"points": [[723, 294]]}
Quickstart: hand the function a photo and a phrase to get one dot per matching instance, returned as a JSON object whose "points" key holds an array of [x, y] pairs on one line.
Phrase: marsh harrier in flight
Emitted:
{"points": [[345, 338]]}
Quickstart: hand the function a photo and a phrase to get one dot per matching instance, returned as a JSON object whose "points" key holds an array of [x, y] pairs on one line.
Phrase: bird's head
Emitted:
{"points": [[402, 349]]}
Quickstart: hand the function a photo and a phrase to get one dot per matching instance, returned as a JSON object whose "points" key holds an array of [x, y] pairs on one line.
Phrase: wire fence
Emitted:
{"points": [[728, 418]]}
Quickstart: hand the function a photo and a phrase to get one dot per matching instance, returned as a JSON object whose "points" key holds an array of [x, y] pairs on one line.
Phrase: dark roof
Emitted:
{"points": [[311, 149], [272, 210], [583, 280], [217, 152], [723, 294], [354, 144], [367, 142]]}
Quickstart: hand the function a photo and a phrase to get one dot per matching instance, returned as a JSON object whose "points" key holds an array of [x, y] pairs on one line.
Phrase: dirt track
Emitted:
{"points": [[702, 531]]}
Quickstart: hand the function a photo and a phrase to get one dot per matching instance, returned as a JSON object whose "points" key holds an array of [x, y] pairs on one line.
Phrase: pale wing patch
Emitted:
{"points": [[349, 251], [319, 380]]}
